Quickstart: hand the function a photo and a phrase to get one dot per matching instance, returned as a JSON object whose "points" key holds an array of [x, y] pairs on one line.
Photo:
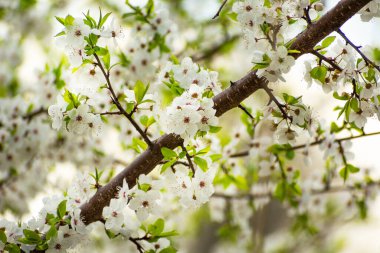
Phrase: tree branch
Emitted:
{"points": [[223, 102]]}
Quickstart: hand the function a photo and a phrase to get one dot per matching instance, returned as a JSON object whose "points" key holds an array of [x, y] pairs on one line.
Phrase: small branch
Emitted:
{"points": [[246, 111], [334, 189], [176, 163], [33, 114], [357, 48], [307, 15], [220, 9], [191, 165], [119, 106], [137, 243], [246, 153], [274, 99], [328, 60], [109, 113]]}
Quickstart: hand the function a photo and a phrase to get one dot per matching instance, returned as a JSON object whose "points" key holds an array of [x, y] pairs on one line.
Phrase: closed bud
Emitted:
{"points": [[319, 6]]}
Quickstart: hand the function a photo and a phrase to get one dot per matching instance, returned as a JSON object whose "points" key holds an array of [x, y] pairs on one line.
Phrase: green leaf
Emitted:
{"points": [[140, 143], [144, 120], [216, 157], [71, 99], [293, 51], [167, 165], [362, 206], [101, 51], [174, 59], [344, 172], [280, 191], [376, 54], [12, 248], [32, 236], [290, 154], [344, 96], [328, 41], [110, 234], [202, 163], [51, 233], [169, 233], [354, 104], [319, 73], [61, 210], [290, 99], [3, 236], [140, 91], [352, 168], [60, 20], [69, 20], [325, 43], [215, 129], [204, 150], [169, 249], [156, 228], [334, 128], [107, 60], [60, 34], [168, 153], [104, 19]]}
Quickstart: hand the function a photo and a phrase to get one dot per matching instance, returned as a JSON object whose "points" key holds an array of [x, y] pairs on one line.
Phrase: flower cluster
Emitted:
{"points": [[191, 191], [266, 25], [150, 42], [192, 111], [290, 118], [352, 79]]}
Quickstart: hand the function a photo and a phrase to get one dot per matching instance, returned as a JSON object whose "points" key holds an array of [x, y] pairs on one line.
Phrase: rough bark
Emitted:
{"points": [[226, 100]]}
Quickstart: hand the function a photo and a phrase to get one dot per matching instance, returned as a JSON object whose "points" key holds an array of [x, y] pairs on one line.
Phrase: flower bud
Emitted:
{"points": [[319, 6]]}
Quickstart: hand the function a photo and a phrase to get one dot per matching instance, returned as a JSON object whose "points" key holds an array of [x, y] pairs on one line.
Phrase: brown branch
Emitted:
{"points": [[328, 60], [33, 114], [110, 113], [223, 102]]}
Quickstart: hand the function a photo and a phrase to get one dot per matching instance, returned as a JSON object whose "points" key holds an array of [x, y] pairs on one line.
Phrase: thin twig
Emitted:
{"points": [[246, 153], [274, 99], [328, 60], [333, 189], [110, 113], [191, 165], [357, 48], [119, 106], [138, 245], [33, 114], [220, 9], [246, 111]]}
